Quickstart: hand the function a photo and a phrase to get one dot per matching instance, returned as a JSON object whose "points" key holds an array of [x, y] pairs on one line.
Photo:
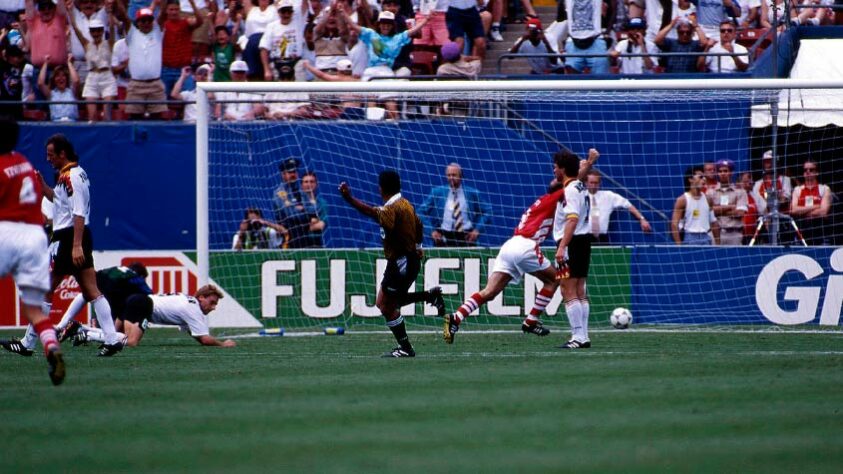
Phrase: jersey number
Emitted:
{"points": [[27, 191]]}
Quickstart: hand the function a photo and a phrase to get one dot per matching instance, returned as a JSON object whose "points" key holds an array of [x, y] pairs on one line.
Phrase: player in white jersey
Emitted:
{"points": [[23, 246], [573, 256], [174, 309], [522, 252], [693, 212], [71, 246]]}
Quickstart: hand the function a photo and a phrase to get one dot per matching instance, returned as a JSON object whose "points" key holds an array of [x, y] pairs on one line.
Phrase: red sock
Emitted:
{"points": [[542, 300], [47, 334], [475, 301]]}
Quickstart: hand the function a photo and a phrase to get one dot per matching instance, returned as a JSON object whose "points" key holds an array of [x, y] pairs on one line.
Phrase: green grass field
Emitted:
{"points": [[636, 402]]}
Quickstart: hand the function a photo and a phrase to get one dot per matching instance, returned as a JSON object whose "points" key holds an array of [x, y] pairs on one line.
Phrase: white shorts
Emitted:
{"points": [[520, 255], [99, 85], [23, 254]]}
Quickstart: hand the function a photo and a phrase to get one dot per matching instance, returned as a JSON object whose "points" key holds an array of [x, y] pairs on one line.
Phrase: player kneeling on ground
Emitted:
{"points": [[176, 309]]}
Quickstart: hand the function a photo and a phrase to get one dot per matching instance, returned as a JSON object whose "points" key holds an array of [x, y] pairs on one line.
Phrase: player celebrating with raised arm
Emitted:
{"points": [[71, 246], [522, 252], [573, 254], [402, 233], [23, 245]]}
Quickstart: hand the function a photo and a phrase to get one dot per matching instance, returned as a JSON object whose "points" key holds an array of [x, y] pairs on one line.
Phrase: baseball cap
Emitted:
{"points": [[42, 4], [239, 66], [450, 51], [534, 23], [343, 65], [768, 155], [285, 4], [726, 163], [96, 24], [635, 24], [204, 67], [289, 164], [386, 16], [144, 12]]}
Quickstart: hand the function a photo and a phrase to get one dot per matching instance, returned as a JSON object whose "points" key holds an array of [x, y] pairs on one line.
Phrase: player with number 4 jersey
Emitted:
{"points": [[522, 252]]}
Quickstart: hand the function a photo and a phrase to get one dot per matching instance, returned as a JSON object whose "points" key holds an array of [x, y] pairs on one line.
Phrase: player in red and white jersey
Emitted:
{"points": [[811, 205], [23, 246], [522, 253], [573, 253]]}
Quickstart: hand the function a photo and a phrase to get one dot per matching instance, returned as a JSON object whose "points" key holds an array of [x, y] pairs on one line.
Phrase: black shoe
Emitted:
{"points": [[536, 329], [56, 363], [451, 328], [14, 345], [108, 350], [437, 301], [80, 339], [69, 331], [400, 352], [574, 344]]}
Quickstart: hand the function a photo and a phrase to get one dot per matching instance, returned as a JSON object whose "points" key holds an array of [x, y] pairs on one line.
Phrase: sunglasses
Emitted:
{"points": [[727, 30], [811, 169]]}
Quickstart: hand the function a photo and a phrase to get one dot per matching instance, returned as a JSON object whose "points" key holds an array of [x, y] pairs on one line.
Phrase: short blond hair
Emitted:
{"points": [[209, 290]]}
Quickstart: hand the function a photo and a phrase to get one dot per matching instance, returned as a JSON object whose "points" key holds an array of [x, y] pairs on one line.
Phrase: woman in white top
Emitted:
{"points": [[100, 83], [776, 14], [64, 83], [258, 17]]}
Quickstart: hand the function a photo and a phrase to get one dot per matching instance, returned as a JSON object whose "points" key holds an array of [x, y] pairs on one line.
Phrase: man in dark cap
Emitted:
{"points": [[290, 210]]}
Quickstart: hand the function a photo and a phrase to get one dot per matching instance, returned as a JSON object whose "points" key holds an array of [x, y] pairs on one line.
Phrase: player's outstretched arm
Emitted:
{"points": [[586, 166], [362, 207], [208, 340]]}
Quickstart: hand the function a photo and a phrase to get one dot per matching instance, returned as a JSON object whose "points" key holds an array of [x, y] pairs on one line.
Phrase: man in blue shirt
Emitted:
{"points": [[455, 212]]}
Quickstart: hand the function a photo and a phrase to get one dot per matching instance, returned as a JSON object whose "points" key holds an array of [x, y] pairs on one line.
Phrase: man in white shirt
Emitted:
{"points": [[724, 64], [228, 108], [602, 204], [145, 41], [281, 41], [635, 43]]}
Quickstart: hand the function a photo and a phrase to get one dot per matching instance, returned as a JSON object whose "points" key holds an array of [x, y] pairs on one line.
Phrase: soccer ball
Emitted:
{"points": [[620, 318]]}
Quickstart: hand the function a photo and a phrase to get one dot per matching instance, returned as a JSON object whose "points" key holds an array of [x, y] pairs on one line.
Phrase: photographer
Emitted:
{"points": [[257, 233], [534, 42], [635, 43]]}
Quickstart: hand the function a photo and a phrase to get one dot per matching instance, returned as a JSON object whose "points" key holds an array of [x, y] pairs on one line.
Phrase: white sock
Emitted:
{"points": [[104, 319], [97, 335], [573, 309], [586, 307], [75, 306], [30, 339]]}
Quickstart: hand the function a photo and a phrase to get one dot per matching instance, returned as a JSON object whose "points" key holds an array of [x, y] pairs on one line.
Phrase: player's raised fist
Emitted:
{"points": [[345, 189], [593, 154]]}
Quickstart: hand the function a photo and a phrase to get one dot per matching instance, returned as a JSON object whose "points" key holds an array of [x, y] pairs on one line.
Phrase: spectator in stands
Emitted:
{"points": [[729, 204], [711, 14], [778, 13], [810, 206], [685, 43], [635, 43], [228, 107], [255, 232], [100, 83], [344, 74], [231, 17], [13, 27], [815, 16], [584, 19], [603, 204], [314, 10], [12, 81], [495, 8], [144, 41], [120, 69], [287, 105], [751, 14], [204, 10], [83, 13], [358, 54], [692, 214], [258, 17], [49, 26], [534, 42], [463, 20], [289, 205], [280, 43], [755, 208], [224, 52], [455, 213], [316, 208], [63, 87], [180, 92], [764, 186], [177, 46], [455, 64], [710, 175], [435, 32], [724, 64], [360, 13], [330, 38], [403, 59]]}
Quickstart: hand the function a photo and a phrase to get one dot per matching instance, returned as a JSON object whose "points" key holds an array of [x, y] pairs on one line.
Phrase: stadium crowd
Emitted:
{"points": [[149, 54]]}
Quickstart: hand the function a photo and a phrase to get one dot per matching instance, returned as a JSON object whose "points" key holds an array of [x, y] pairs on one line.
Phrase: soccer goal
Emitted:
{"points": [[502, 135]]}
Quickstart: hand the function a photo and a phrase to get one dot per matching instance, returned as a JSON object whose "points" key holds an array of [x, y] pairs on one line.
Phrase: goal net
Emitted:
{"points": [[502, 135]]}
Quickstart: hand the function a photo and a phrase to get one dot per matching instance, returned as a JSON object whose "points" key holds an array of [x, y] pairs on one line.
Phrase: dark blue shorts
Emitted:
{"points": [[464, 22]]}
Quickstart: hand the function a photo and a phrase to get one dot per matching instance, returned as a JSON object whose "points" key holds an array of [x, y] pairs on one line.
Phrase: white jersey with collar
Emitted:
{"points": [[180, 310], [575, 204], [72, 197]]}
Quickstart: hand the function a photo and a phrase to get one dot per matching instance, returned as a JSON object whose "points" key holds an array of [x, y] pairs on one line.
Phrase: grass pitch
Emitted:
{"points": [[636, 402]]}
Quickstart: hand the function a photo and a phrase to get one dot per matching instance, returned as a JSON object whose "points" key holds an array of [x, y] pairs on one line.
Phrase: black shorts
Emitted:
{"points": [[400, 274], [63, 255], [138, 308], [462, 22], [579, 255]]}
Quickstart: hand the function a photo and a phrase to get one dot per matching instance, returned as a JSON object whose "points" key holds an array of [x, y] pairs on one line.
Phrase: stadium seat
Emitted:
{"points": [[35, 115], [424, 62], [748, 37]]}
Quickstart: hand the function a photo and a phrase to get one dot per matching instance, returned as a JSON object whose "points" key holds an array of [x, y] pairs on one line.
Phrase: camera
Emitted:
{"points": [[255, 225]]}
